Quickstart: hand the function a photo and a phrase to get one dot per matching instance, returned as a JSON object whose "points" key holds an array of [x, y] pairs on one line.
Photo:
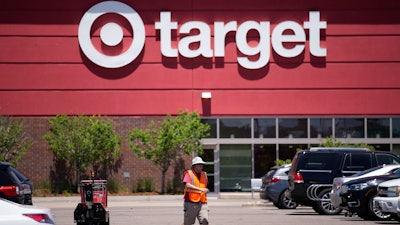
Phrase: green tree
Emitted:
{"points": [[165, 141], [83, 141], [333, 142], [13, 140], [281, 162]]}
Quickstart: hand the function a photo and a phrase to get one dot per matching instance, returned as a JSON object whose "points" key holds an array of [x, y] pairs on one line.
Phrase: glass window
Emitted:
{"points": [[319, 161], [396, 127], [378, 127], [292, 128], [235, 128], [235, 167], [349, 128], [396, 149], [320, 127], [382, 158], [381, 147], [264, 159], [287, 151], [264, 128], [208, 157], [213, 126], [357, 162]]}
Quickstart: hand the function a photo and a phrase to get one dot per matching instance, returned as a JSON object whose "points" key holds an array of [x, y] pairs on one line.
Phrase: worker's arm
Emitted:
{"points": [[193, 187]]}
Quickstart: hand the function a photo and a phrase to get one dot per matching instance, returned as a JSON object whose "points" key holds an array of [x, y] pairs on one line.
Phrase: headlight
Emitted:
{"points": [[357, 187], [393, 191]]}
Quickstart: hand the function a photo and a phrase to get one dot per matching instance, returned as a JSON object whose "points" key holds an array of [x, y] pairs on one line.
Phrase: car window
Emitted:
{"points": [[14, 175], [397, 172], [282, 172], [270, 173], [357, 162], [394, 171], [5, 178], [319, 161], [382, 158]]}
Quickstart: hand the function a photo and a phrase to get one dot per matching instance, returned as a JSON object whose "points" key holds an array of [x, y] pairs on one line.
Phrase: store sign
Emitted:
{"points": [[285, 32]]}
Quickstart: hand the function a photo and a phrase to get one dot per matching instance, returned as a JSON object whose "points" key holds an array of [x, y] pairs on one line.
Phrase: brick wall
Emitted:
{"points": [[38, 162]]}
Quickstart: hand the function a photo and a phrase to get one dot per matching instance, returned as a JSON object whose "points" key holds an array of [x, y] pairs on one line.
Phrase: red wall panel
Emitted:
{"points": [[223, 102], [44, 72], [304, 76]]}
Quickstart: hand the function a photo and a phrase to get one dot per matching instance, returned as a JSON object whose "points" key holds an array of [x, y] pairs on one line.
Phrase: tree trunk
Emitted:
{"points": [[77, 176], [164, 172]]}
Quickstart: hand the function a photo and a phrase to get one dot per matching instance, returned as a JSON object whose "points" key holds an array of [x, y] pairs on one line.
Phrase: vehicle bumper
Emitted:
{"points": [[263, 194], [354, 201], [387, 204], [336, 199]]}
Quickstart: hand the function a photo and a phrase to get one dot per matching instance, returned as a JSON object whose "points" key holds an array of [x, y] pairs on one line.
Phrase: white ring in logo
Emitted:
{"points": [[137, 27]]}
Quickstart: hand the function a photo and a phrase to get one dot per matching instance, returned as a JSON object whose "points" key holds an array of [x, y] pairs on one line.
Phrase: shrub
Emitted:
{"points": [[144, 185], [113, 186]]}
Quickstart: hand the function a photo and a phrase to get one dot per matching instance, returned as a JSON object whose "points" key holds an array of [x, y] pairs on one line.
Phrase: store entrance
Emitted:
{"points": [[209, 168]]}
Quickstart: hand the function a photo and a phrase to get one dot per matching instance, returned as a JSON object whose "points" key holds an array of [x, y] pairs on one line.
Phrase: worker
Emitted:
{"points": [[195, 182]]}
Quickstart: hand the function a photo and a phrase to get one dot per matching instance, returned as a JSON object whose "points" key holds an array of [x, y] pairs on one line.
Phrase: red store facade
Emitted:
{"points": [[269, 76]]}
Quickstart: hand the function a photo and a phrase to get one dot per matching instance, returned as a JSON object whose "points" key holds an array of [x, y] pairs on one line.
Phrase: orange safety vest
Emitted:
{"points": [[194, 195]]}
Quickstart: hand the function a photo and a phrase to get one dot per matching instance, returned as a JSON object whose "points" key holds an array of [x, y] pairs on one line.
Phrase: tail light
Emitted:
{"points": [[10, 190], [41, 218], [275, 179], [298, 178]]}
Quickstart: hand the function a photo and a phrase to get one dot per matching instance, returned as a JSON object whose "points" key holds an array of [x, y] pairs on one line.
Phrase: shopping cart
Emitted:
{"points": [[93, 208]]}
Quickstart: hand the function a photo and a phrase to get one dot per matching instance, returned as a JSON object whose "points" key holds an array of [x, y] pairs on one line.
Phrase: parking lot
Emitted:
{"points": [[167, 210]]}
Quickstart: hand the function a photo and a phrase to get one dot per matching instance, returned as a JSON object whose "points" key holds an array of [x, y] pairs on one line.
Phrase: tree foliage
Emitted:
{"points": [[83, 141], [13, 140], [333, 142], [168, 140], [281, 162]]}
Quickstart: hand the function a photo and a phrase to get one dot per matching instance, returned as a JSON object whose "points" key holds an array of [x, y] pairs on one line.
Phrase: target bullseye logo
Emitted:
{"points": [[111, 34]]}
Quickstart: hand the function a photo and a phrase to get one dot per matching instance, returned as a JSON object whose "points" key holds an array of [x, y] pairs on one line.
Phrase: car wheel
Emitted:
{"points": [[374, 213], [285, 202], [324, 206]]}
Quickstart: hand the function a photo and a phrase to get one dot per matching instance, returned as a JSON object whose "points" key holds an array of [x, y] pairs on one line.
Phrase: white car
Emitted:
{"points": [[388, 199], [16, 214], [336, 191]]}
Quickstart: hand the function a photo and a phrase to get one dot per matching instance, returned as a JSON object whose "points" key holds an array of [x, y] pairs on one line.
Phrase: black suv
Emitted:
{"points": [[14, 186], [313, 170]]}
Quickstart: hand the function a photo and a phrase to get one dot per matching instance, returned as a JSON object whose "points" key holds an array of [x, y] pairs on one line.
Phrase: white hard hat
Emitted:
{"points": [[197, 160]]}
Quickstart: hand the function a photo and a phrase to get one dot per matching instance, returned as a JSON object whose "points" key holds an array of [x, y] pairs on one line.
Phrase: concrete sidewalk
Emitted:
{"points": [[243, 198], [225, 195]]}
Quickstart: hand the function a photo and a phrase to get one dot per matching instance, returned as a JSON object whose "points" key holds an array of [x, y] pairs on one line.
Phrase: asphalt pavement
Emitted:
{"points": [[226, 208]]}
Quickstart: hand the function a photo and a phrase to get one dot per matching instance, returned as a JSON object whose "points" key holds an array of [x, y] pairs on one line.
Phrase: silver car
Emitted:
{"points": [[337, 188], [388, 199]]}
